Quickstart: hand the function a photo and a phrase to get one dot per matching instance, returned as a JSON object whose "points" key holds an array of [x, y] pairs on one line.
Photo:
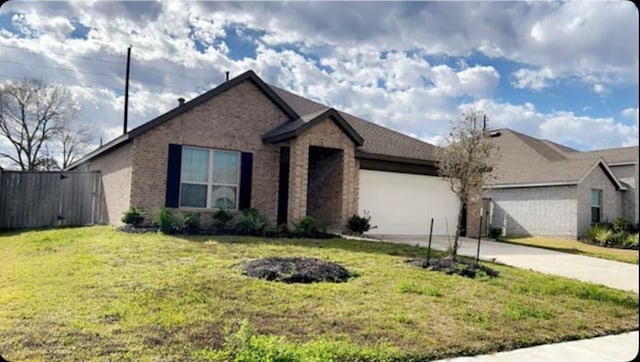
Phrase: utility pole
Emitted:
{"points": [[126, 91]]}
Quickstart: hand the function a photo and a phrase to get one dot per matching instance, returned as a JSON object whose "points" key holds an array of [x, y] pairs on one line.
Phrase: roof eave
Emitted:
{"points": [[114, 143], [398, 159]]}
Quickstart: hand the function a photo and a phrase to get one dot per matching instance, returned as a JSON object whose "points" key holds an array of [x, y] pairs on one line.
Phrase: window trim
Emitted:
{"points": [[210, 184], [599, 206]]}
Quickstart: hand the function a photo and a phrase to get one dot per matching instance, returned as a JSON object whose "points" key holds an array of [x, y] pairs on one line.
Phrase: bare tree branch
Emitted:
{"points": [[465, 160], [31, 116]]}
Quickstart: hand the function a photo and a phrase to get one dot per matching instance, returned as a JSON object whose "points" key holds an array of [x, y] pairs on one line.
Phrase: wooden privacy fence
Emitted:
{"points": [[39, 199]]}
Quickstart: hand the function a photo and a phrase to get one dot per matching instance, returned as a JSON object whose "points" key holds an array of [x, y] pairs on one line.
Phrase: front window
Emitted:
{"points": [[209, 178], [596, 206]]}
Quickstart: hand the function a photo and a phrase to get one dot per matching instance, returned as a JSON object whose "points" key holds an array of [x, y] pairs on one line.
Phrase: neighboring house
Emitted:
{"points": [[249, 144], [539, 187]]}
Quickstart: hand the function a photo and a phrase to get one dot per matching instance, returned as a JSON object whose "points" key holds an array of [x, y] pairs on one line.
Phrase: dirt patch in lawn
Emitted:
{"points": [[461, 267], [296, 270]]}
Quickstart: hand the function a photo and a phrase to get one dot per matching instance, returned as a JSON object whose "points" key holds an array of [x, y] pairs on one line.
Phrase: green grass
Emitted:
{"points": [[576, 247], [95, 294]]}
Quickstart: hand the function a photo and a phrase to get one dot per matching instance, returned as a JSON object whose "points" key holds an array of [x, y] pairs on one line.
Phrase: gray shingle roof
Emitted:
{"points": [[527, 160], [377, 139]]}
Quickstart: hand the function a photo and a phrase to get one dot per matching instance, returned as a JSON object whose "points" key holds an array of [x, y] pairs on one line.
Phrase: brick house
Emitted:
{"points": [[248, 144], [540, 188]]}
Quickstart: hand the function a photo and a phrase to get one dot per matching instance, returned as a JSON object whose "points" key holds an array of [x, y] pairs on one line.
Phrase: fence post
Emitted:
{"points": [[429, 246]]}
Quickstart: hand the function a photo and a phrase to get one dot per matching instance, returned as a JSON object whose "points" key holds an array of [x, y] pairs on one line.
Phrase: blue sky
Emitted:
{"points": [[565, 71]]}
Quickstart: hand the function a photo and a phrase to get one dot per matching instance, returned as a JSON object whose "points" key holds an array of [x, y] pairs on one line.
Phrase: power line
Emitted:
{"points": [[64, 54], [138, 85], [58, 68], [137, 65]]}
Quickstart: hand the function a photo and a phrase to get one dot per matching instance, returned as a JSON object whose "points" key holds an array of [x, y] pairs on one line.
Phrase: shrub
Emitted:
{"points": [[617, 238], [631, 241], [494, 232], [169, 221], [133, 216], [360, 224], [603, 236], [192, 221], [621, 224], [305, 225], [251, 222], [222, 217], [596, 233]]}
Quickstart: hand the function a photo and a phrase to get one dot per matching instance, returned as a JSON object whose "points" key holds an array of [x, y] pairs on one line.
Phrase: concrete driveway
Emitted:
{"points": [[610, 273]]}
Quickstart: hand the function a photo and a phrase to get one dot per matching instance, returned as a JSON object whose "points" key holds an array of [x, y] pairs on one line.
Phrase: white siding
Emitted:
{"points": [[404, 204], [541, 211]]}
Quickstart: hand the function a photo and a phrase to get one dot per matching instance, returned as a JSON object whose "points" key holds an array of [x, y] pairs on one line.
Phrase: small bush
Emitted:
{"points": [[631, 241], [222, 217], [133, 216], [494, 232], [169, 221], [305, 225], [598, 233], [251, 222], [192, 221], [360, 224], [617, 238], [621, 224]]}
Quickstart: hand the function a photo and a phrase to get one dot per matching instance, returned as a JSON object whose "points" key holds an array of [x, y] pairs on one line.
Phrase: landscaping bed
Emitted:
{"points": [[95, 294]]}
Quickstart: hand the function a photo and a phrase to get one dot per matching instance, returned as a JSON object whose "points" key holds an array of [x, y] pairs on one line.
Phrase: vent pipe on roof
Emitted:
{"points": [[180, 102], [227, 72]]}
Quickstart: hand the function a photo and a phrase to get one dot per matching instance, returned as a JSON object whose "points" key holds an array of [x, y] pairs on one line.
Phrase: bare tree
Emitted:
{"points": [[32, 115], [465, 159], [73, 141]]}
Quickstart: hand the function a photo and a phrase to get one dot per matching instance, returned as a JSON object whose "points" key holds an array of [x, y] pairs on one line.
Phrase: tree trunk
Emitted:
{"points": [[456, 238]]}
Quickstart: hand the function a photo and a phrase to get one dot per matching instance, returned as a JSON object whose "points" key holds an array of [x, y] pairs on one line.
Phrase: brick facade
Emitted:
{"points": [[526, 211], [611, 199], [234, 120], [324, 134], [135, 173], [115, 168]]}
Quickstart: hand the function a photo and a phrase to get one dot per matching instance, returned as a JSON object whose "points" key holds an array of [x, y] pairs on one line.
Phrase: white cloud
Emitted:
{"points": [[534, 79]]}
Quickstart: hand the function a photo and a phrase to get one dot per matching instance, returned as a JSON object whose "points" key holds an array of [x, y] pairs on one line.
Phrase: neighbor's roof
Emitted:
{"points": [[375, 140], [527, 161]]}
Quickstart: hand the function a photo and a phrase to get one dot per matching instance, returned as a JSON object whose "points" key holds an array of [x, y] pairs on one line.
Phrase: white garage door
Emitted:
{"points": [[402, 203]]}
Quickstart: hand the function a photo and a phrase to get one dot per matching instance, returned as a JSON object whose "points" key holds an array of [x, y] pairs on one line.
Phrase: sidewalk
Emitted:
{"points": [[616, 348]]}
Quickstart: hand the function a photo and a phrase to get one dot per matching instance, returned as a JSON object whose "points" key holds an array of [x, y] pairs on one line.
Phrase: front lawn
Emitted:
{"points": [[96, 294], [577, 247]]}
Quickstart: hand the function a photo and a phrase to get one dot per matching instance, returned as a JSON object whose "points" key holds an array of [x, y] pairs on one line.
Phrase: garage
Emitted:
{"points": [[402, 203]]}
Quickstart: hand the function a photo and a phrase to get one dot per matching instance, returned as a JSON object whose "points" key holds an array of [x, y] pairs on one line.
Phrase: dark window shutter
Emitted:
{"points": [[172, 196], [246, 168]]}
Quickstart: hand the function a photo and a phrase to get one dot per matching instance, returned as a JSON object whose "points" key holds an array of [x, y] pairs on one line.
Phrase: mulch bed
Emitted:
{"points": [[231, 231], [295, 270], [461, 267]]}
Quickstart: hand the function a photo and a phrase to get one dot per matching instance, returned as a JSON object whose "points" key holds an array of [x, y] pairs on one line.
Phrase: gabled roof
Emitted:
{"points": [[376, 141], [294, 128], [525, 161], [246, 76]]}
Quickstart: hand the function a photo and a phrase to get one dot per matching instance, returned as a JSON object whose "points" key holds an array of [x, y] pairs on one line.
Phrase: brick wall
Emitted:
{"points": [[629, 175], [233, 120], [550, 211], [115, 168], [324, 196], [611, 199], [324, 134]]}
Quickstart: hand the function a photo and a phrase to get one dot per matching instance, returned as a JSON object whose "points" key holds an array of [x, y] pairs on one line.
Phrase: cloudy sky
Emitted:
{"points": [[567, 71]]}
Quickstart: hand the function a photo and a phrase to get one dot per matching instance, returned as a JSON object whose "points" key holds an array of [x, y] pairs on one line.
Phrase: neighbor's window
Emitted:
{"points": [[596, 205], [209, 178]]}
